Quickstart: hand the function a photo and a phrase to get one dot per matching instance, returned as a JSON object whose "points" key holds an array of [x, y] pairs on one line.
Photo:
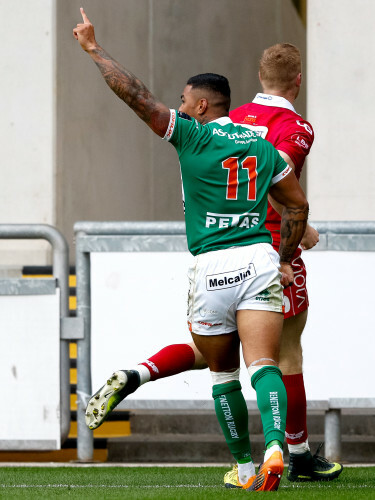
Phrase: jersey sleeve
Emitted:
{"points": [[297, 141], [281, 169], [182, 130]]}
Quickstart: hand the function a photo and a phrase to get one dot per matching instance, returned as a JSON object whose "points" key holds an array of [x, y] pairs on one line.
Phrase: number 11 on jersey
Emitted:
{"points": [[232, 165]]}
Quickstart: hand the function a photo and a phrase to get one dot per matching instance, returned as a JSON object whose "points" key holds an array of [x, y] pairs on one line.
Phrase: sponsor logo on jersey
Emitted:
{"points": [[250, 119], [230, 279], [300, 141], [264, 96], [260, 130], [244, 137], [306, 126], [246, 220]]}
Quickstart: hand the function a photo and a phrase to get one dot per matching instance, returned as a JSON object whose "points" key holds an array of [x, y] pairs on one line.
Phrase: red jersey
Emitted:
{"points": [[277, 121]]}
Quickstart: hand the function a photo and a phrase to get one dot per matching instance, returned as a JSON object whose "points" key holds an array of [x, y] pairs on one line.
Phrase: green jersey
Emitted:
{"points": [[226, 170]]}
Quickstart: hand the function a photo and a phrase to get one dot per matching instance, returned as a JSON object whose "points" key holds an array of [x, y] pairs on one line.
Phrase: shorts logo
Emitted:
{"points": [[263, 296], [203, 311], [206, 323], [230, 278]]}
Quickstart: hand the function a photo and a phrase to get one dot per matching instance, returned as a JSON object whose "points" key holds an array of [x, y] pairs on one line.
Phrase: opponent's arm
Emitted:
{"points": [[123, 83], [290, 195], [311, 236]]}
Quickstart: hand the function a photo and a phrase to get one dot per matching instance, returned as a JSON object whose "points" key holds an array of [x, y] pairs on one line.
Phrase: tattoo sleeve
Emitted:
{"points": [[127, 87], [293, 226]]}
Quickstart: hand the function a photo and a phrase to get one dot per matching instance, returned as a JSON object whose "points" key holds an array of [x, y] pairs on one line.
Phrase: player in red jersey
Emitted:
{"points": [[273, 116]]}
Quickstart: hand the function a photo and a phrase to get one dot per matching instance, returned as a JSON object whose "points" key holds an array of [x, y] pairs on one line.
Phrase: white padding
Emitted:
{"points": [[223, 377], [254, 369]]}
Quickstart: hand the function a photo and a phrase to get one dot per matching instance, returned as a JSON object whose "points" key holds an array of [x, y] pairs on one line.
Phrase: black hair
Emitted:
{"points": [[212, 81]]}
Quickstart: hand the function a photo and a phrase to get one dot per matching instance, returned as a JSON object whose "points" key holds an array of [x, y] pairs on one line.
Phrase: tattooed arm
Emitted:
{"points": [[289, 193], [123, 83], [311, 236]]}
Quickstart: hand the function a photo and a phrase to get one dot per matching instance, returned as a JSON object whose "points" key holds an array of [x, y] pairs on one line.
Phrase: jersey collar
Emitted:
{"points": [[273, 100], [224, 120]]}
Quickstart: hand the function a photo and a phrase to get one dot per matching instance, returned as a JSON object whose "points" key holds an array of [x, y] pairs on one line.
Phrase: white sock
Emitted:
{"points": [[272, 450], [245, 472], [300, 448], [144, 373]]}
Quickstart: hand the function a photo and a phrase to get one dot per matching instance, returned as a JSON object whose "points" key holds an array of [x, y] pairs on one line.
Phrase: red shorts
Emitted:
{"points": [[296, 299]]}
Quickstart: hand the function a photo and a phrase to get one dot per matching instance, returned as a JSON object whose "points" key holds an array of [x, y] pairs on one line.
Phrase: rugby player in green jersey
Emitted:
{"points": [[227, 171]]}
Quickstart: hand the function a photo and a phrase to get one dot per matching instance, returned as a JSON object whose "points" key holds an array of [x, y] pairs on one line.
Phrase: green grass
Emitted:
{"points": [[166, 483]]}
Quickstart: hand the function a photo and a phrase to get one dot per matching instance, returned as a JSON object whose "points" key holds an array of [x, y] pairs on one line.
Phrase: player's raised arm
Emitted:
{"points": [[123, 83], [289, 193]]}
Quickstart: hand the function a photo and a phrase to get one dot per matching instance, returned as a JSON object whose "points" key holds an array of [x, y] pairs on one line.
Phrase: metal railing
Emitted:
{"points": [[170, 236], [60, 268]]}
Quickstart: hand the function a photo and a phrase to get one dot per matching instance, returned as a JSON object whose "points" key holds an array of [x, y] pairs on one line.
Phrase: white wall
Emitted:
{"points": [[30, 372], [27, 89], [139, 306], [340, 104]]}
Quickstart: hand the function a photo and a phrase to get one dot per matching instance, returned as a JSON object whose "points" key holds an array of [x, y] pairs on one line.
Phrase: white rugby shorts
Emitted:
{"points": [[224, 281]]}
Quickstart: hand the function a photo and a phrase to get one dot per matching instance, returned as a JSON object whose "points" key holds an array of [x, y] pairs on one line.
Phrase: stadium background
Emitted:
{"points": [[72, 151]]}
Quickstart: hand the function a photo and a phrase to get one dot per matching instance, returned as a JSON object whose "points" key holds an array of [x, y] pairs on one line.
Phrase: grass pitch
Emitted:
{"points": [[166, 483]]}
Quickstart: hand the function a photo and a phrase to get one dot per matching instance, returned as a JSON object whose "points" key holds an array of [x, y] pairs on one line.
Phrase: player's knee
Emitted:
{"points": [[225, 376]]}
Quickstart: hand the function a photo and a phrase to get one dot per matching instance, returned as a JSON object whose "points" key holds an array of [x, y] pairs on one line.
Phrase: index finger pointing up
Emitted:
{"points": [[84, 17]]}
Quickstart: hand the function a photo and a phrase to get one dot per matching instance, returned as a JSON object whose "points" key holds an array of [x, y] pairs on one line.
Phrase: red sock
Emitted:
{"points": [[173, 359], [296, 427]]}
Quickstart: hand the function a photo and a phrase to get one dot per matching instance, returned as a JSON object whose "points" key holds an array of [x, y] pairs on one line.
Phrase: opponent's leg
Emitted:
{"points": [[291, 367], [303, 466]]}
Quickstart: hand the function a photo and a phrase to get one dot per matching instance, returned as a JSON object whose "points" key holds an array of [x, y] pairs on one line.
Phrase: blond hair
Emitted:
{"points": [[279, 66]]}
